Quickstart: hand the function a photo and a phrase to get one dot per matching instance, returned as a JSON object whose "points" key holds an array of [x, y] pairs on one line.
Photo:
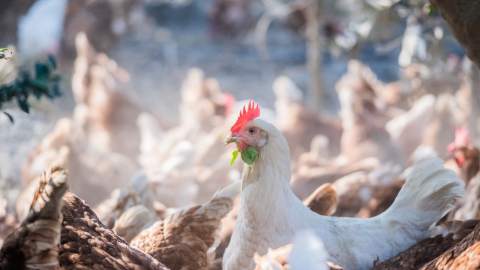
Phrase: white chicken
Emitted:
{"points": [[167, 165], [405, 128], [306, 253], [40, 30], [270, 214]]}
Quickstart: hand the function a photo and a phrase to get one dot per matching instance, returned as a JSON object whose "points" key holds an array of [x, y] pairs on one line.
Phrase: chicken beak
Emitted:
{"points": [[229, 139]]}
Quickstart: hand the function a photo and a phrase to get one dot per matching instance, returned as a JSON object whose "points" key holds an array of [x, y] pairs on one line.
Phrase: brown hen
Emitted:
{"points": [[187, 239], [298, 124], [112, 208], [448, 235], [467, 158], [133, 221], [382, 199], [323, 200], [464, 255], [88, 244], [465, 154], [8, 221], [469, 206], [364, 115], [34, 245]]}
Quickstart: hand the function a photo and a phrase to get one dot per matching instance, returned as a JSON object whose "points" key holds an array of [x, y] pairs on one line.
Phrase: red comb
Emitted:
{"points": [[246, 116], [462, 136]]}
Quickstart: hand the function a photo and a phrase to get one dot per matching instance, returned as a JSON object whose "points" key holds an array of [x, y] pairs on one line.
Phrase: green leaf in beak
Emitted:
{"points": [[249, 155], [235, 155]]}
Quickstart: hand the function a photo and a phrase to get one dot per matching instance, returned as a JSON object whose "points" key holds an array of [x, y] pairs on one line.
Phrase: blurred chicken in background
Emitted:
{"points": [[103, 21], [150, 178], [230, 19], [298, 124], [39, 35], [99, 138], [364, 116]]}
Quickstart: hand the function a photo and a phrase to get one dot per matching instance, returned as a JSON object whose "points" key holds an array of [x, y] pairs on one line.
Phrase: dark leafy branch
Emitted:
{"points": [[2, 53], [42, 83]]}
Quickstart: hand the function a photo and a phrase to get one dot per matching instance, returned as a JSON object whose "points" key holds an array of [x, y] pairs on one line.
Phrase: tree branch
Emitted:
{"points": [[463, 18]]}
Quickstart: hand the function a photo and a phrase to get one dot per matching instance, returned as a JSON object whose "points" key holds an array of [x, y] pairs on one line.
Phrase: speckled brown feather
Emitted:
{"points": [[469, 206], [8, 224], [465, 255], [451, 233], [382, 199], [184, 240], [88, 244], [110, 210], [323, 200], [471, 164], [133, 221], [8, 220], [228, 225], [34, 245]]}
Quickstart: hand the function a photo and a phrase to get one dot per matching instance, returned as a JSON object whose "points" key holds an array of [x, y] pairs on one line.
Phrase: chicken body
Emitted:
{"points": [[88, 244], [270, 213], [449, 235], [364, 115], [467, 158], [34, 245], [464, 255], [187, 239]]}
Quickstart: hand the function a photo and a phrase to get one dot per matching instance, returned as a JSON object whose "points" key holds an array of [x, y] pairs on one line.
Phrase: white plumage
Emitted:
{"points": [[40, 30], [270, 214], [308, 252]]}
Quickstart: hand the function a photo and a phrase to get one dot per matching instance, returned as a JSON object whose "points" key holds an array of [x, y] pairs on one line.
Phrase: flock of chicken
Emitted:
{"points": [[375, 194]]}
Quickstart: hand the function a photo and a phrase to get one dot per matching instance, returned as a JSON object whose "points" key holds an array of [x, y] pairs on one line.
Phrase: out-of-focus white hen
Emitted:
{"points": [[405, 128], [40, 30], [306, 253]]}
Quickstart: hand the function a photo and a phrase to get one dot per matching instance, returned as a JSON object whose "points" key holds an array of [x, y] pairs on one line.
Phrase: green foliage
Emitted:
{"points": [[431, 10], [249, 155], [43, 83], [235, 155], [2, 53]]}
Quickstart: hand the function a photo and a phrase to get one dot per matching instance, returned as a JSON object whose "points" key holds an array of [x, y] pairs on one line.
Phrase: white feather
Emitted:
{"points": [[40, 30], [416, 118], [308, 252]]}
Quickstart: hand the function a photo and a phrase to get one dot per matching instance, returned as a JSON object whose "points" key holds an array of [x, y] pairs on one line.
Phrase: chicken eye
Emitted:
{"points": [[251, 131]]}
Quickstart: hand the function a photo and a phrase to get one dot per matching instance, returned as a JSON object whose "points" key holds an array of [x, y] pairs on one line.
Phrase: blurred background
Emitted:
{"points": [[148, 85]]}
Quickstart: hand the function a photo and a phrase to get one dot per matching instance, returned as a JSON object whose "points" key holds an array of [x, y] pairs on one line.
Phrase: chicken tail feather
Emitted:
{"points": [[428, 194]]}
